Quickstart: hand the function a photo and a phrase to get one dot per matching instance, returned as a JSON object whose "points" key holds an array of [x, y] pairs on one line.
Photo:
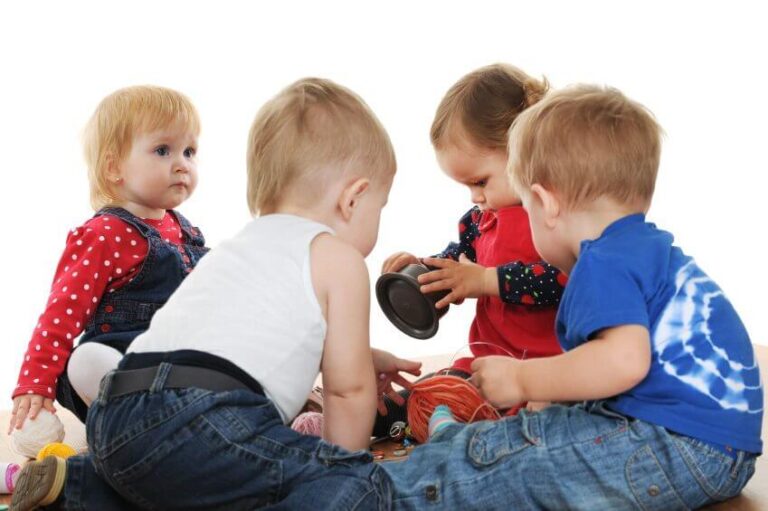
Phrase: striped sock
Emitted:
{"points": [[441, 418]]}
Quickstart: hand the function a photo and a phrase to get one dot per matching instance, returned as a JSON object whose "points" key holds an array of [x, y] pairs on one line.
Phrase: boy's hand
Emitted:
{"points": [[537, 406], [496, 379], [464, 278], [388, 367], [398, 261], [28, 405]]}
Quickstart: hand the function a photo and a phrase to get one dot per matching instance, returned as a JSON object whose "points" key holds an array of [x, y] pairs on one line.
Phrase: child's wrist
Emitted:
{"points": [[490, 282]]}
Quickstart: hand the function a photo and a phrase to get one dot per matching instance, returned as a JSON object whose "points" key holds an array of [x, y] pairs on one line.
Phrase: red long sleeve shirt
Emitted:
{"points": [[100, 256]]}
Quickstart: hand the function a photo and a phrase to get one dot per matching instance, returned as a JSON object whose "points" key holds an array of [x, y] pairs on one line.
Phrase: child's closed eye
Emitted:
{"points": [[481, 183]]}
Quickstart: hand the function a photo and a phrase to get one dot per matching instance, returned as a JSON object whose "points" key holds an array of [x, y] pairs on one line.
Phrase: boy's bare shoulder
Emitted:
{"points": [[334, 261]]}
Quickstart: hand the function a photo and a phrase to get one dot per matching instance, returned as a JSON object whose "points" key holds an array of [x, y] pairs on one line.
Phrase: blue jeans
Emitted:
{"points": [[196, 449], [576, 457]]}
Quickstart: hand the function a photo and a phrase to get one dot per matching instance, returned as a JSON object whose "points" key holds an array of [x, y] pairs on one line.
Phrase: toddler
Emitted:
{"points": [[119, 267], [495, 260]]}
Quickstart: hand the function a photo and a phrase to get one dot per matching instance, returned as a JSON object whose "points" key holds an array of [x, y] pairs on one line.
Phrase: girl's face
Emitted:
{"points": [[483, 171], [159, 172]]}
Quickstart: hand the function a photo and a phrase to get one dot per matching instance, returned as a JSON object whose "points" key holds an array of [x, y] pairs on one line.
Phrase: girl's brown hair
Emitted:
{"points": [[482, 105]]}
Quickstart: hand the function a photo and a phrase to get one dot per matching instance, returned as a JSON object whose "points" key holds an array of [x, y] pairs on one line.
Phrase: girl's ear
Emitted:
{"points": [[550, 204], [350, 196], [113, 169]]}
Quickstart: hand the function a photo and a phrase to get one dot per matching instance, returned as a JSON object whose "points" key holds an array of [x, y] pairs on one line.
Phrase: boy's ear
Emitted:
{"points": [[550, 204], [350, 196]]}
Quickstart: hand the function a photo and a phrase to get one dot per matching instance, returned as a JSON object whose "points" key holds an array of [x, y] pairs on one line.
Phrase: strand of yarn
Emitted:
{"points": [[464, 400], [309, 423]]}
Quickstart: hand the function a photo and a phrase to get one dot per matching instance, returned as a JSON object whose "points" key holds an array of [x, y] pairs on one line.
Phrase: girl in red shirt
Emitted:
{"points": [[120, 266], [495, 260]]}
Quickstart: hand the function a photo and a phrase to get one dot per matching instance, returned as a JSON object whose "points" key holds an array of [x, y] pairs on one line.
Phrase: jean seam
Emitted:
{"points": [[125, 438], [682, 448], [238, 447]]}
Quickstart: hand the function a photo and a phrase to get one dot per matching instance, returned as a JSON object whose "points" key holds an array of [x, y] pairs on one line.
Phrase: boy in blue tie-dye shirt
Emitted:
{"points": [[673, 402]]}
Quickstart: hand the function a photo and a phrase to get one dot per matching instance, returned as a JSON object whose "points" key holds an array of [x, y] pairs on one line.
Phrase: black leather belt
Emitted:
{"points": [[179, 377]]}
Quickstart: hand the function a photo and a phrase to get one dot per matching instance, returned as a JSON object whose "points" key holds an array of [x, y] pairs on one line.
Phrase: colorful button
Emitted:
{"points": [[105, 328], [108, 308]]}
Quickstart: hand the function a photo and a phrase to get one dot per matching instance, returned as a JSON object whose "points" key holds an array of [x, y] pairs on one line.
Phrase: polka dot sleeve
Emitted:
{"points": [[531, 284], [99, 256]]}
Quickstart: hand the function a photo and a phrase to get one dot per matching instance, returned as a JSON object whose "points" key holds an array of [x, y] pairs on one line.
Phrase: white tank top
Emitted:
{"points": [[251, 301]]}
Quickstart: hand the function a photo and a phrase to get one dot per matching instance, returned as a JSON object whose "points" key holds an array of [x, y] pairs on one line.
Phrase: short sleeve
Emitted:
{"points": [[601, 293]]}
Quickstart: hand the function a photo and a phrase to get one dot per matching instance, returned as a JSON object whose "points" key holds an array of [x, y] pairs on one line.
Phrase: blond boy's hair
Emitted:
{"points": [[121, 116], [482, 105], [585, 142], [310, 135]]}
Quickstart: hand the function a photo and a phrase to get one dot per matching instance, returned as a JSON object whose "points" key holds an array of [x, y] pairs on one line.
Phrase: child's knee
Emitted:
{"points": [[87, 366]]}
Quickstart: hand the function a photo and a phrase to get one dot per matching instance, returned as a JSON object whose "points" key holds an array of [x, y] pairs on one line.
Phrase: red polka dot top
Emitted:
{"points": [[100, 256]]}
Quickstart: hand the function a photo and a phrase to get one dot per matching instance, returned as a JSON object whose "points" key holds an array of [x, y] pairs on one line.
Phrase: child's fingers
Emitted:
{"points": [[381, 407], [399, 380], [13, 415], [48, 405], [432, 276], [438, 262], [21, 414], [446, 301], [397, 398], [34, 408], [435, 286]]}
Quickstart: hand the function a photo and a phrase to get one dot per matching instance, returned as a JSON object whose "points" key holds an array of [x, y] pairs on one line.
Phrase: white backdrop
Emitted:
{"points": [[700, 68]]}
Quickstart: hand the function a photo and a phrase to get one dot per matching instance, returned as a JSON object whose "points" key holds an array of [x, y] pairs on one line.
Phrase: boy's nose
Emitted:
{"points": [[477, 197]]}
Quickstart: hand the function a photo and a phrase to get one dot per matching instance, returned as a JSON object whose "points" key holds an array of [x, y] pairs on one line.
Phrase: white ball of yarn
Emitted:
{"points": [[36, 434]]}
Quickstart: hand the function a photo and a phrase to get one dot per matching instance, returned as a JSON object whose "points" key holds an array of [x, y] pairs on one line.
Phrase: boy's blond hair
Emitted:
{"points": [[121, 116], [482, 105], [584, 142], [311, 134]]}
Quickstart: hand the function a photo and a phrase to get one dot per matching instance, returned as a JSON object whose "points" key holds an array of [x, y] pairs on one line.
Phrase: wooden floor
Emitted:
{"points": [[754, 497]]}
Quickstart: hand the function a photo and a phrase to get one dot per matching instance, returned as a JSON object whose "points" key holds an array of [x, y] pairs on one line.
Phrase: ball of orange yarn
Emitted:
{"points": [[56, 449], [463, 398]]}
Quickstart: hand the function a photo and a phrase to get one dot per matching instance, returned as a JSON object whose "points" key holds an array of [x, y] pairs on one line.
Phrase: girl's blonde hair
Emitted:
{"points": [[310, 134], [584, 142], [119, 117], [482, 105]]}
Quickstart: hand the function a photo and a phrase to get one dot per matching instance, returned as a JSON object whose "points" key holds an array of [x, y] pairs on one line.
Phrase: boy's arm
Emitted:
{"points": [[617, 359], [349, 385]]}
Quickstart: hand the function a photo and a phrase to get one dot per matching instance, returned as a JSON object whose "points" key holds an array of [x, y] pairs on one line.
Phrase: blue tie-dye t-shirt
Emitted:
{"points": [[703, 381]]}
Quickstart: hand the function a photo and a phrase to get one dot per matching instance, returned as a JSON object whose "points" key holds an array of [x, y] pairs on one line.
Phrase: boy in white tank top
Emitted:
{"points": [[201, 401]]}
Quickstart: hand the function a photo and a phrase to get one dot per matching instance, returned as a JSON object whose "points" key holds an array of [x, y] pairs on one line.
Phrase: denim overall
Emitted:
{"points": [[125, 313]]}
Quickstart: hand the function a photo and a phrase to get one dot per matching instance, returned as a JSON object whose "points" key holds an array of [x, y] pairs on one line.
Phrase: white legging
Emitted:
{"points": [[87, 366]]}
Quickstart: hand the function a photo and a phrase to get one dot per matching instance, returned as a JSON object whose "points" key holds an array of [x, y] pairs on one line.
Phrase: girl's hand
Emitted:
{"points": [[398, 261], [496, 378], [28, 405], [464, 278], [388, 367]]}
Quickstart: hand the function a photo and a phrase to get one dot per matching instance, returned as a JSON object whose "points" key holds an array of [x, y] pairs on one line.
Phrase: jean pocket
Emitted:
{"points": [[649, 483], [495, 440], [713, 470]]}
